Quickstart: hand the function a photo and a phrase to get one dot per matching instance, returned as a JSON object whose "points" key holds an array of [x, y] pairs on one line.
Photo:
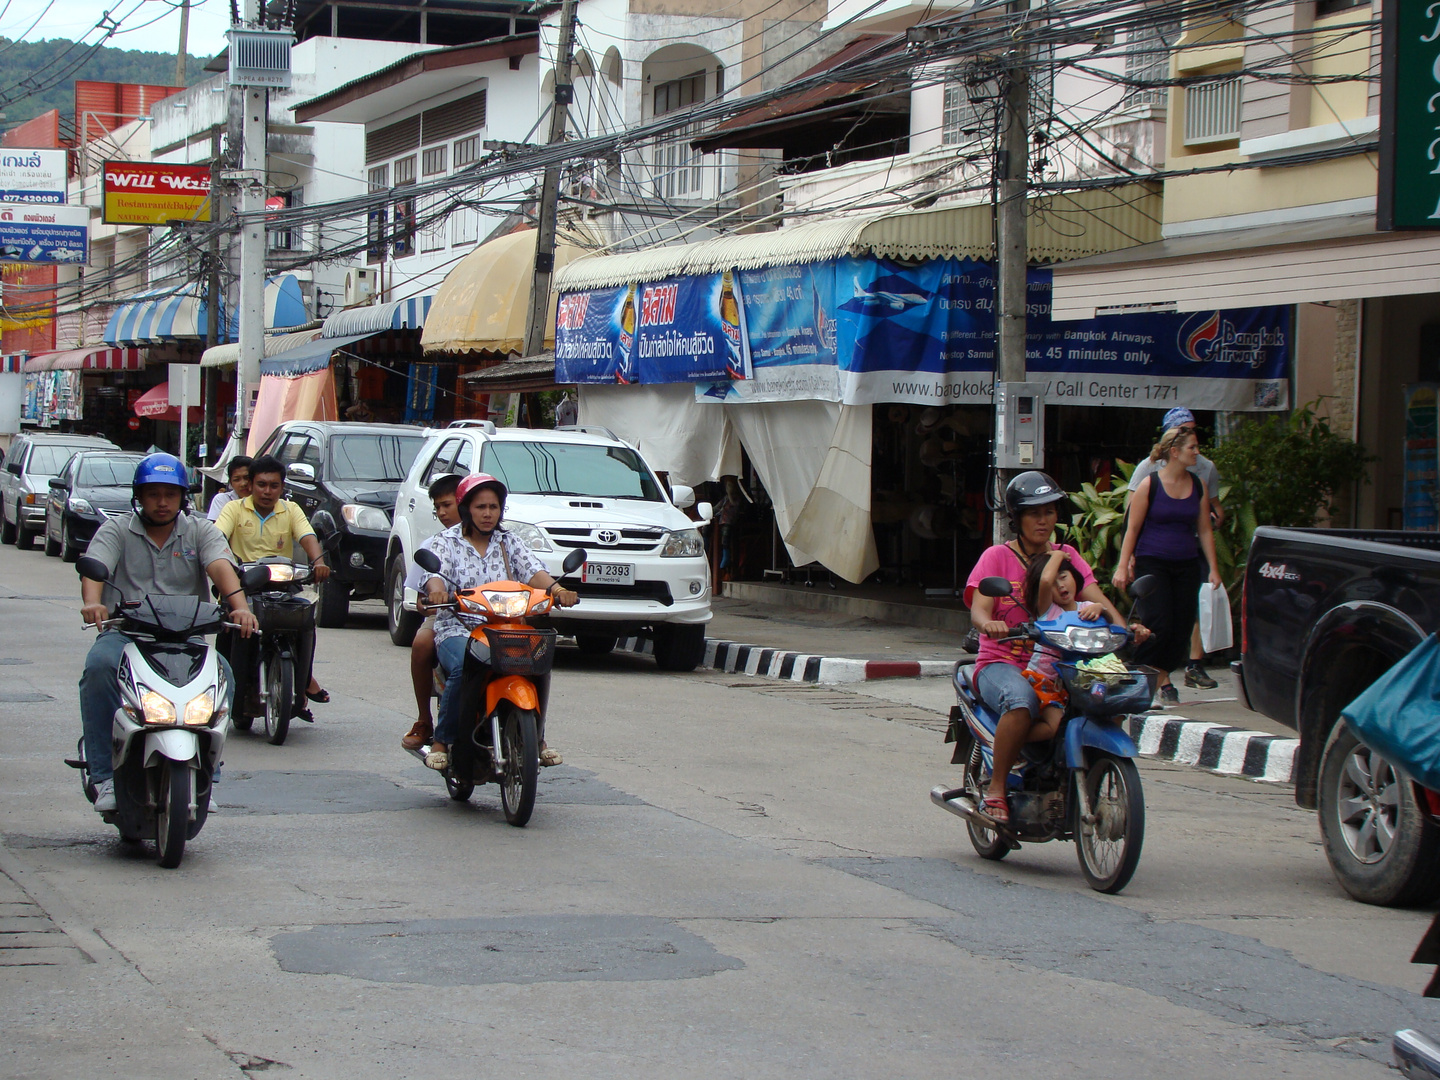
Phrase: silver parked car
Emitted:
{"points": [[35, 458]]}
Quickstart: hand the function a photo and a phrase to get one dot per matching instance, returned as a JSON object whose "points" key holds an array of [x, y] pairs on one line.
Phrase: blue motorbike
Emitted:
{"points": [[1083, 784]]}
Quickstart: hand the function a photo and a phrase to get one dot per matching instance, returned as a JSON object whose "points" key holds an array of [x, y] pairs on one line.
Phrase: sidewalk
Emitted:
{"points": [[1209, 729]]}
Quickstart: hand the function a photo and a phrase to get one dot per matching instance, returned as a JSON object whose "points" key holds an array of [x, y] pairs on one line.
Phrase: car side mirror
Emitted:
{"points": [[682, 495], [255, 578], [574, 560], [995, 586], [12, 467], [57, 483], [298, 470], [428, 561], [92, 568], [705, 510]]}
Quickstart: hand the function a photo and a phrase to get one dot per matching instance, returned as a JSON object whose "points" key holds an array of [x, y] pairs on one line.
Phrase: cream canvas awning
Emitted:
{"points": [[481, 305], [228, 355], [1068, 225]]}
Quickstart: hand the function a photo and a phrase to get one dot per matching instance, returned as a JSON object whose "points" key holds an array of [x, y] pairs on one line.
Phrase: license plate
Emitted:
{"points": [[608, 573]]}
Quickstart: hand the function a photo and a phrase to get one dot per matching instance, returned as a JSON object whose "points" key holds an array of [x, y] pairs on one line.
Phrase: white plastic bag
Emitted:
{"points": [[1215, 631]]}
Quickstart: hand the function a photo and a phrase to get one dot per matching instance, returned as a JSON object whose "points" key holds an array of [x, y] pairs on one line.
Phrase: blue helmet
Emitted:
{"points": [[160, 469]]}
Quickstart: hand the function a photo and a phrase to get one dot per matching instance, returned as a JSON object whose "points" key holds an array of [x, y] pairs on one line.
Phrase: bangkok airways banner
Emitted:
{"points": [[684, 329], [863, 330]]}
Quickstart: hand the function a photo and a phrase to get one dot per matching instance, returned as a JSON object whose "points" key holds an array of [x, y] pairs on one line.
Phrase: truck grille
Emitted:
{"points": [[638, 539]]}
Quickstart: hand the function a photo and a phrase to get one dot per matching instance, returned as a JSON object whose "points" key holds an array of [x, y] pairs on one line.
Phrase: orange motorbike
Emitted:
{"points": [[502, 699]]}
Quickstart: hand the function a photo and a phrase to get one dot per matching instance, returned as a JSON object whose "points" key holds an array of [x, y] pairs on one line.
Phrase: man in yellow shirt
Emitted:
{"points": [[263, 524]]}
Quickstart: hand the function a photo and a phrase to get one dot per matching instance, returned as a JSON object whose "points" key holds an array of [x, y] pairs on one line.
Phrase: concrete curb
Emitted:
{"points": [[733, 657], [1229, 751]]}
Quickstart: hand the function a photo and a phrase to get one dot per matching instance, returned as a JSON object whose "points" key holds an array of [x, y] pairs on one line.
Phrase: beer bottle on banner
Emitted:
{"points": [[624, 373], [730, 324]]}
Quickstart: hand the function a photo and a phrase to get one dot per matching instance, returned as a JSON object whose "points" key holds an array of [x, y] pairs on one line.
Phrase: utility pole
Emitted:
{"points": [[180, 54], [1012, 247], [252, 236], [212, 300], [550, 188]]}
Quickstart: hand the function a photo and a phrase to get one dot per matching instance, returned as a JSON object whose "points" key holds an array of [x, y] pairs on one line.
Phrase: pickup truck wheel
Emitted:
{"points": [[52, 547], [334, 603], [679, 648], [7, 530], [1383, 847], [403, 624], [595, 644], [24, 538]]}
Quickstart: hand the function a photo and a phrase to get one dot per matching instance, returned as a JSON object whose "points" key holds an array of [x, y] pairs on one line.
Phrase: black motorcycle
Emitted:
{"points": [[267, 666]]}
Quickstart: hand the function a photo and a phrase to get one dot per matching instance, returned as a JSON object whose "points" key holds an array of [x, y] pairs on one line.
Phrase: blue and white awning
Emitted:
{"points": [[173, 314], [407, 314]]}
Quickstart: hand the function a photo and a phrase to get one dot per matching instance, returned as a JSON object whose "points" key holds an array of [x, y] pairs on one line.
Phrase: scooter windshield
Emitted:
{"points": [[173, 617]]}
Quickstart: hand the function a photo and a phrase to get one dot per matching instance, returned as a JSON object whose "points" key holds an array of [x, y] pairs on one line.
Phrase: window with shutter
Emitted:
{"points": [[394, 139], [455, 118]]}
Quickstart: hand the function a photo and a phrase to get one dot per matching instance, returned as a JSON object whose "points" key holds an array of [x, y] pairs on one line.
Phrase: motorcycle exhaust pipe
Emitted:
{"points": [[957, 802]]}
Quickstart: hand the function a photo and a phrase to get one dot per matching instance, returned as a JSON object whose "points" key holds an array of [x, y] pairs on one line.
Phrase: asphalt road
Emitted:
{"points": [[728, 877]]}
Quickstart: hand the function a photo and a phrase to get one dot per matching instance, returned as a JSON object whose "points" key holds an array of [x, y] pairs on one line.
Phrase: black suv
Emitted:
{"points": [[345, 477]]}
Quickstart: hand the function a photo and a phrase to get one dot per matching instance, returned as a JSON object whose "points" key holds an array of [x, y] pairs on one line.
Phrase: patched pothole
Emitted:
{"points": [[518, 949]]}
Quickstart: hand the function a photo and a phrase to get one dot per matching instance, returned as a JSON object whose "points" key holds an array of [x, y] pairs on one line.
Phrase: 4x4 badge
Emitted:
{"points": [[607, 536]]}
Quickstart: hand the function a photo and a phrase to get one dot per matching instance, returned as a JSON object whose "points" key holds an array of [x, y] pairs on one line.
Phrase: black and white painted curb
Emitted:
{"points": [[1228, 751]]}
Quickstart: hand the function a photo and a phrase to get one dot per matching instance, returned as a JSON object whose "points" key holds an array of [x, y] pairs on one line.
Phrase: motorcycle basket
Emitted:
{"points": [[289, 613], [520, 652], [1108, 693]]}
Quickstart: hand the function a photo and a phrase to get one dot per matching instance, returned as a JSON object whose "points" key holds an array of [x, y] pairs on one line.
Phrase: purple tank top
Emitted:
{"points": [[1169, 529]]}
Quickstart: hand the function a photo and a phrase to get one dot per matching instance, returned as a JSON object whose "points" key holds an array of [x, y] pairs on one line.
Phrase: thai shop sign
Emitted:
{"points": [[1409, 192], [32, 176], [862, 330], [44, 233], [147, 193]]}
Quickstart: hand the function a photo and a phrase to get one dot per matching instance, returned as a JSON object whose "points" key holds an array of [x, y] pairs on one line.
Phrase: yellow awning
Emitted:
{"points": [[481, 304]]}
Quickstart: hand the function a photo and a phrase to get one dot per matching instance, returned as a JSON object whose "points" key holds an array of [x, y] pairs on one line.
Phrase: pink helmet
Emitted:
{"points": [[474, 483]]}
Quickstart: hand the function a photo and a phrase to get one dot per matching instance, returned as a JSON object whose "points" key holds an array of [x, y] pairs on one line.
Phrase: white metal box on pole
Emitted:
{"points": [[184, 389]]}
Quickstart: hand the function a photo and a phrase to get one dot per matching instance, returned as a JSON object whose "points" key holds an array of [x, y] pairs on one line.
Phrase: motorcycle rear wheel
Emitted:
{"points": [[1109, 847], [172, 813], [988, 843], [520, 743], [279, 675]]}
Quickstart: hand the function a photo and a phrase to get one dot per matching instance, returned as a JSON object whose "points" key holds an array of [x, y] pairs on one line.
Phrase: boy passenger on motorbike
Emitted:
{"points": [[476, 552], [1030, 500], [160, 550], [422, 648]]}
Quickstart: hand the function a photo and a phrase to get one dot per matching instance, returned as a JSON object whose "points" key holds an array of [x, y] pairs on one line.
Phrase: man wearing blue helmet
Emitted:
{"points": [[1203, 470], [159, 550]]}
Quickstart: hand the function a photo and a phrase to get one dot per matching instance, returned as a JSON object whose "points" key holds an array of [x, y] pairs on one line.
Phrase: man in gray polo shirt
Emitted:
{"points": [[159, 550]]}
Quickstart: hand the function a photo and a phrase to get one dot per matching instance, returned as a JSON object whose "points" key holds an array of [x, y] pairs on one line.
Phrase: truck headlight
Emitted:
{"points": [[157, 708], [683, 544], [365, 517], [531, 535]]}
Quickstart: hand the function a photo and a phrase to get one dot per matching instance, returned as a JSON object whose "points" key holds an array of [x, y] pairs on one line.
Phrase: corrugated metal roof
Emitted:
{"points": [[1066, 225]]}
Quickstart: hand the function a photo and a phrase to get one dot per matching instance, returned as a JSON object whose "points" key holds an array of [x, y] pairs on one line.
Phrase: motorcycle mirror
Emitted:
{"points": [[574, 560], [93, 568], [427, 560], [995, 586], [1142, 587], [255, 578]]}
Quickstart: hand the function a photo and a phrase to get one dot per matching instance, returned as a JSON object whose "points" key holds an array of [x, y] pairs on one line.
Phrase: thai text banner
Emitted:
{"points": [[144, 193], [863, 330], [44, 233], [32, 176]]}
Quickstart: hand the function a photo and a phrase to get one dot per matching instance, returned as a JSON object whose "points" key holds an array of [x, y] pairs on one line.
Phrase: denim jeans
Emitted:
{"points": [[100, 697], [451, 654]]}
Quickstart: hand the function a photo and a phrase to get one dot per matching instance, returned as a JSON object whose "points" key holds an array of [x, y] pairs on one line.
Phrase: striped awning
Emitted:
{"points": [[407, 314], [228, 355], [308, 358], [13, 362], [160, 315], [100, 358]]}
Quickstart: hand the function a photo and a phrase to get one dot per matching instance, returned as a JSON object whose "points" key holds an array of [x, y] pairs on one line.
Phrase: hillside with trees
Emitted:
{"points": [[26, 64]]}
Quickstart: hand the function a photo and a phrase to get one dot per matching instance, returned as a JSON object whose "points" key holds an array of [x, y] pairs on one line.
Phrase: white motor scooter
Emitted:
{"points": [[170, 728]]}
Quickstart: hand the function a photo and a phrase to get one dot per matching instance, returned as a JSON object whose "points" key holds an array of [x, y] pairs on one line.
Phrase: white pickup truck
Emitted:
{"points": [[647, 569]]}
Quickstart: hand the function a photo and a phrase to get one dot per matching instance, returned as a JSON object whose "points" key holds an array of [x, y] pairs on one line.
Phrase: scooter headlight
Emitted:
{"points": [[157, 708], [200, 709], [1096, 640], [508, 604], [281, 572]]}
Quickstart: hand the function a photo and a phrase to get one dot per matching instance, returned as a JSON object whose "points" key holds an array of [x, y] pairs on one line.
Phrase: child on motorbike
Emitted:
{"points": [[422, 647], [1052, 586]]}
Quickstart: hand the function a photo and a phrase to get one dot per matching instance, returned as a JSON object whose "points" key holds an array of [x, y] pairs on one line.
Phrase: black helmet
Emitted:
{"points": [[1033, 488]]}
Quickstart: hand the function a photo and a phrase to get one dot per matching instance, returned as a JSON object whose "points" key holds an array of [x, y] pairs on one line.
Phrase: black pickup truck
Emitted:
{"points": [[1324, 613]]}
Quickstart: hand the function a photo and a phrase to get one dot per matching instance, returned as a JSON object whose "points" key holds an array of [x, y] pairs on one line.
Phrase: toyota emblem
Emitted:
{"points": [[607, 536]]}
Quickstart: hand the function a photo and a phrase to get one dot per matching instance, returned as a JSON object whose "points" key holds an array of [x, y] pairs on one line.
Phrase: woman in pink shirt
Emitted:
{"points": [[1031, 500]]}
